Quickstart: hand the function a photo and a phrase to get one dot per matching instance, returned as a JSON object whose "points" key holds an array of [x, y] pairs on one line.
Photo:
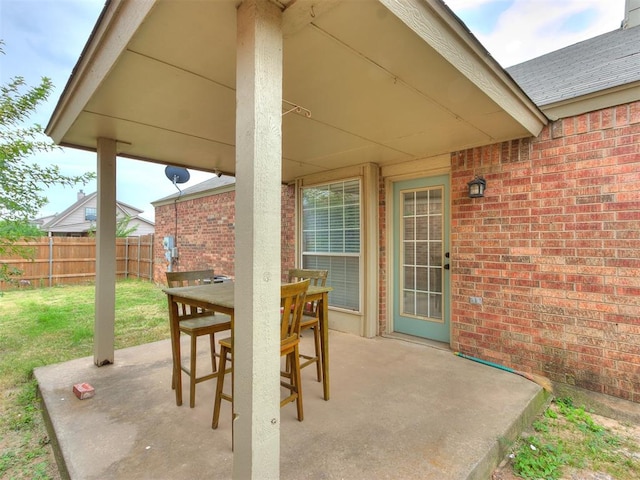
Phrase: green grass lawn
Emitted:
{"points": [[51, 325]]}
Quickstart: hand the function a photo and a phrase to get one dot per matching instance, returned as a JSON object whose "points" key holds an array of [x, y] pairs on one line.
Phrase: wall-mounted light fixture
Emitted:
{"points": [[477, 186]]}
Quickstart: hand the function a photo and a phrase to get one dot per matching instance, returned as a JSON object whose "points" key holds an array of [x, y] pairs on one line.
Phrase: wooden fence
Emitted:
{"points": [[72, 260]]}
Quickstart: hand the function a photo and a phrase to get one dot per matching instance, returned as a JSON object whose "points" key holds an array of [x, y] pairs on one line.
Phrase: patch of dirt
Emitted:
{"points": [[623, 430]]}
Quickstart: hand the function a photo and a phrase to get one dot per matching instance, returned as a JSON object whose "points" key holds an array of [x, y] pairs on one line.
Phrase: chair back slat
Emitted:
{"points": [[316, 277], [189, 279], [292, 296]]}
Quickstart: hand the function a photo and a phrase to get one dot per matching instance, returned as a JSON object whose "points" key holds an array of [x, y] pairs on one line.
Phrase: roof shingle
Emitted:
{"points": [[606, 61]]}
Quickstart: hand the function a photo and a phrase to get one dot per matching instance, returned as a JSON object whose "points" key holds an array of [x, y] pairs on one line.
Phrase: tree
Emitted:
{"points": [[22, 183], [122, 227], [20, 230]]}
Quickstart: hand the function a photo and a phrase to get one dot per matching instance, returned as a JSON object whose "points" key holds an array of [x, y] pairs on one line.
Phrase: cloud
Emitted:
{"points": [[44, 38], [526, 29]]}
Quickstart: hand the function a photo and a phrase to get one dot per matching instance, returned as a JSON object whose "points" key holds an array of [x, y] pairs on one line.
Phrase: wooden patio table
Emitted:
{"points": [[219, 297]]}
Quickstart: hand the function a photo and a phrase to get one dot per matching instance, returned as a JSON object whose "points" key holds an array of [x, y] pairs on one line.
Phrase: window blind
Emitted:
{"points": [[331, 238]]}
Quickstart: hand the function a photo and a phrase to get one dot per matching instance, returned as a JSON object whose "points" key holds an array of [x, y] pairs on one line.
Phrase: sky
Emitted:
{"points": [[45, 38]]}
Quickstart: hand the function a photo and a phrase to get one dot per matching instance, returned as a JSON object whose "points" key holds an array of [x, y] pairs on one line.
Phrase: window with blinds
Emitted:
{"points": [[331, 238]]}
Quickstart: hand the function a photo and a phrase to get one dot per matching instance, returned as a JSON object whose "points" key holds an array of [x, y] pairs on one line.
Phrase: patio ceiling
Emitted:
{"points": [[384, 81]]}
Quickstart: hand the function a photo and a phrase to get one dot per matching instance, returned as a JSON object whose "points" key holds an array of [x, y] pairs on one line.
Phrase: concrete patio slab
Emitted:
{"points": [[398, 410]]}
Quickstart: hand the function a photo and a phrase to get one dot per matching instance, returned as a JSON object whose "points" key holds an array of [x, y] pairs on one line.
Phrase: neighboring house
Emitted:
{"points": [[543, 268], [80, 218]]}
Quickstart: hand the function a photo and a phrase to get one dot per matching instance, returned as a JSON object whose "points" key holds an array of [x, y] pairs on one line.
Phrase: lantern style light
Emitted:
{"points": [[477, 186]]}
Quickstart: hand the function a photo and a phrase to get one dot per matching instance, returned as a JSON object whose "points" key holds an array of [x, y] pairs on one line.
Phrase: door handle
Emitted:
{"points": [[446, 266]]}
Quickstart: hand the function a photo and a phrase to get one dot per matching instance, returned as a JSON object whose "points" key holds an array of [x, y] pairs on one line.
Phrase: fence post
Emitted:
{"points": [[151, 256], [126, 257], [50, 261], [139, 247]]}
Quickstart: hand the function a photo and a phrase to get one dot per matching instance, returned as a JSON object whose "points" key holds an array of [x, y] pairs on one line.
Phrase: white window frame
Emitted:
{"points": [[359, 255], [87, 214]]}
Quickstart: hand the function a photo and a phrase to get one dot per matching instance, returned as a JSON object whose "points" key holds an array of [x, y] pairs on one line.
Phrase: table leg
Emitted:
{"points": [[324, 343], [175, 349]]}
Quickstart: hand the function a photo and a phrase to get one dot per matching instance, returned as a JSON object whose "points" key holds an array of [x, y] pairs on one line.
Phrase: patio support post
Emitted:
{"points": [[256, 390], [103, 344]]}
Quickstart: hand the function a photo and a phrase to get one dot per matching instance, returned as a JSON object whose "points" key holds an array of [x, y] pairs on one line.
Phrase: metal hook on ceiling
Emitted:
{"points": [[292, 107]]}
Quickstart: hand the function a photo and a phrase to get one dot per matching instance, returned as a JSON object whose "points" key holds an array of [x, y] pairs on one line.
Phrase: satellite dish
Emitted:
{"points": [[177, 174]]}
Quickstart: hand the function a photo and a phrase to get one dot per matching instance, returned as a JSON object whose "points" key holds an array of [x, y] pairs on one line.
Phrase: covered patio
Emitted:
{"points": [[398, 410], [273, 92]]}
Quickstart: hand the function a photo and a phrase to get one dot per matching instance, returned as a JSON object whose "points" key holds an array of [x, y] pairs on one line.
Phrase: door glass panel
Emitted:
{"points": [[422, 202], [408, 205], [422, 257], [422, 230], [409, 277], [435, 201], [409, 302], [422, 304], [435, 305], [435, 227], [435, 254], [422, 279], [409, 253], [435, 280], [409, 228]]}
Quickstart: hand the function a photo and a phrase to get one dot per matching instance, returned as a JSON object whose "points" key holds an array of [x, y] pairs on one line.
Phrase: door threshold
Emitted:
{"points": [[419, 340]]}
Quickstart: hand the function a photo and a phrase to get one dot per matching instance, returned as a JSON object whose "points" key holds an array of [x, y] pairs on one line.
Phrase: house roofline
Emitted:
{"points": [[518, 104], [177, 198], [65, 213], [79, 203], [599, 100]]}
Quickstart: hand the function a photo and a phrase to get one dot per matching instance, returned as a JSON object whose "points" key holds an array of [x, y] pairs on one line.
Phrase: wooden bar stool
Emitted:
{"points": [[292, 296], [196, 323], [310, 315]]}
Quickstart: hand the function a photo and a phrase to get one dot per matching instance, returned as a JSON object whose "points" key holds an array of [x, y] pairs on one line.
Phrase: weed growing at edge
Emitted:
{"points": [[566, 436]]}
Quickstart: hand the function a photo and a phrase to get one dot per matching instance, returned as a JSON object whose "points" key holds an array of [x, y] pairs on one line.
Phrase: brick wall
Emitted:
{"points": [[206, 233], [383, 261], [553, 249]]}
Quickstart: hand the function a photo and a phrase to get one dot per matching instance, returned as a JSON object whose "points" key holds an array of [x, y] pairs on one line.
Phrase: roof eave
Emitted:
{"points": [[479, 66], [171, 199], [114, 28], [599, 100]]}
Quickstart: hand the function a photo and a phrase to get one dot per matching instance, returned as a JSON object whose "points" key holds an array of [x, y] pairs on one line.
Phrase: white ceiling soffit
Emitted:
{"points": [[384, 82]]}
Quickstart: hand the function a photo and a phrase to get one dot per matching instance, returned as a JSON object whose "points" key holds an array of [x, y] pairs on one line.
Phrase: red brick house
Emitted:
{"points": [[201, 220], [376, 115], [544, 269], [554, 246]]}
